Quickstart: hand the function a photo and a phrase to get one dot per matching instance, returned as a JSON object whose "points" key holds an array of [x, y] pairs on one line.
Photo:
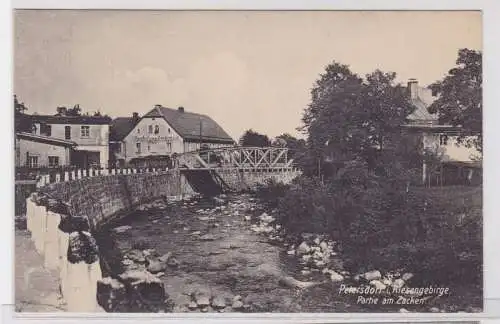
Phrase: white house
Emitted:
{"points": [[162, 132], [90, 133], [459, 163]]}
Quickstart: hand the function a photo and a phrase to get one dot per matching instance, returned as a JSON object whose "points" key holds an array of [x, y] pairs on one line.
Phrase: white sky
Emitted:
{"points": [[244, 69]]}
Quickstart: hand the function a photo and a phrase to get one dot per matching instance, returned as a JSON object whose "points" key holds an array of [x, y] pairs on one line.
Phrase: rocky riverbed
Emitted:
{"points": [[226, 254]]}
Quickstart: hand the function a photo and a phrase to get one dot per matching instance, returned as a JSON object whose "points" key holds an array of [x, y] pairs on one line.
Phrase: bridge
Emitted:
{"points": [[237, 157]]}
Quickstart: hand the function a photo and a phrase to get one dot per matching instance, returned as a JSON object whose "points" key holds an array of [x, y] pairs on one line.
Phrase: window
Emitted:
{"points": [[118, 147], [150, 129], [138, 146], [443, 139], [46, 130], [149, 147], [168, 130], [169, 147], [53, 161], [67, 132], [32, 161], [138, 130], [85, 131], [157, 129]]}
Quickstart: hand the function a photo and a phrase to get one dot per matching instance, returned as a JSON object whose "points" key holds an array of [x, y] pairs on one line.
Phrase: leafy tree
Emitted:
{"points": [[22, 122], [460, 101], [297, 147], [252, 138], [349, 119]]}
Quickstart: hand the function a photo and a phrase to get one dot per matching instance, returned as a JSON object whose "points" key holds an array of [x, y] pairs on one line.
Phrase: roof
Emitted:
{"points": [[85, 120], [44, 139], [120, 127], [187, 124], [422, 101]]}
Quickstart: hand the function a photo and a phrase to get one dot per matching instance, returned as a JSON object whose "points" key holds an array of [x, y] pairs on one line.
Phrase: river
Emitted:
{"points": [[218, 253]]}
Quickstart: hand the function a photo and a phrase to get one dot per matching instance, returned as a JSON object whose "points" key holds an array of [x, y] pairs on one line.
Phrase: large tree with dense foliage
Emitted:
{"points": [[253, 138], [460, 100], [352, 119]]}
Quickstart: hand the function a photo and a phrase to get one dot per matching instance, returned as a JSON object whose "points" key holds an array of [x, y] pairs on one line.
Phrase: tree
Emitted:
{"points": [[252, 138], [460, 101], [351, 119], [297, 147], [22, 121]]}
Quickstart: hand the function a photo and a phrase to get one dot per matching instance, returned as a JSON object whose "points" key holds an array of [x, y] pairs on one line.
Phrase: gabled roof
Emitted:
{"points": [[83, 120], [120, 127], [422, 101], [187, 124], [44, 139]]}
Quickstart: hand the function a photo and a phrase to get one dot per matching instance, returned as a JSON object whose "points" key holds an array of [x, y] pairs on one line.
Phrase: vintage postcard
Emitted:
{"points": [[248, 161]]}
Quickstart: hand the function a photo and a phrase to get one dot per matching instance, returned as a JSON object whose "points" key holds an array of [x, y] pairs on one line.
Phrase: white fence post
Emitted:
{"points": [[79, 174]]}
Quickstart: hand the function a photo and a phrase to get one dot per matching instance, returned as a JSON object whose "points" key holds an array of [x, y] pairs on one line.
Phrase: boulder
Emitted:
{"points": [[323, 246], [398, 283], [237, 305], [156, 266], [218, 302], [378, 284], [335, 277], [372, 275], [165, 257], [146, 291], [136, 256], [202, 300], [172, 262], [82, 247], [111, 295], [403, 310], [303, 248], [192, 305], [407, 276]]}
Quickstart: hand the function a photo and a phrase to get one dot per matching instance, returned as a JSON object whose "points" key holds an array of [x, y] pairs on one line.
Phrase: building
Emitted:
{"points": [[37, 151], [162, 132], [89, 133], [459, 164]]}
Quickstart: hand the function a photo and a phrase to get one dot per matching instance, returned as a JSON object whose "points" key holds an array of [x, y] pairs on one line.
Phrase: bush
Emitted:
{"points": [[384, 224]]}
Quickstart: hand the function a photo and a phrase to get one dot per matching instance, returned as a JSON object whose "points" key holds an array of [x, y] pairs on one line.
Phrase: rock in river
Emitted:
{"points": [[122, 229], [218, 302], [207, 237], [372, 275], [156, 266], [202, 300]]}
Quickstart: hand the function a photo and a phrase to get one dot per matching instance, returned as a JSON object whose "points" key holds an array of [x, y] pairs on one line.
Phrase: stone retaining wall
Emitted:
{"points": [[242, 180], [63, 217]]}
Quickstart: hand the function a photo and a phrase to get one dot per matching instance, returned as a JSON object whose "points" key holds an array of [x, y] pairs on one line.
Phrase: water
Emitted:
{"points": [[237, 261]]}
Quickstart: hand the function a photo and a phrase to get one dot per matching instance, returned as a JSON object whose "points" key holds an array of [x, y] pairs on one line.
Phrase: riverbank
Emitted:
{"points": [[230, 255]]}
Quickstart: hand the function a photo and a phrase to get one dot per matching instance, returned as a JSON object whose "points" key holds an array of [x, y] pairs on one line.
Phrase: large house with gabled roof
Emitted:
{"points": [[459, 164], [162, 132]]}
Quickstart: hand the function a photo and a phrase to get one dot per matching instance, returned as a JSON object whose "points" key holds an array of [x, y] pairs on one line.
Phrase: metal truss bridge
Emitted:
{"points": [[237, 157]]}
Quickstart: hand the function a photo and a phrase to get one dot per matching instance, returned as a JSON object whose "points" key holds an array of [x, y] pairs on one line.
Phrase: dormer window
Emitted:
{"points": [[157, 129]]}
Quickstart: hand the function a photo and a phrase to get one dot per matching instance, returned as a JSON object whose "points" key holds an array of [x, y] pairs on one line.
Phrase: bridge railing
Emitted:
{"points": [[241, 157], [55, 177]]}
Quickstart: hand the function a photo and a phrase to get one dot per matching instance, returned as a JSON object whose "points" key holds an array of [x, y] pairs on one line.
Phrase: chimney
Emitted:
{"points": [[180, 109], [135, 115], [61, 111], [413, 88]]}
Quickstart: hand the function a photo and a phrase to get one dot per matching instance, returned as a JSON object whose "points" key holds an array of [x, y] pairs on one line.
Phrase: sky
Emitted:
{"points": [[245, 69]]}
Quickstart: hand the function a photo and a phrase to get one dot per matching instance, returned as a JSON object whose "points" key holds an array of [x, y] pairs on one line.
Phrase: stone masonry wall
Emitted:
{"points": [[63, 217], [239, 180]]}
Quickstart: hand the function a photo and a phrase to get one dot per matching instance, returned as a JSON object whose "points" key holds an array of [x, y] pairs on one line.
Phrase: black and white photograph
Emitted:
{"points": [[248, 161]]}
